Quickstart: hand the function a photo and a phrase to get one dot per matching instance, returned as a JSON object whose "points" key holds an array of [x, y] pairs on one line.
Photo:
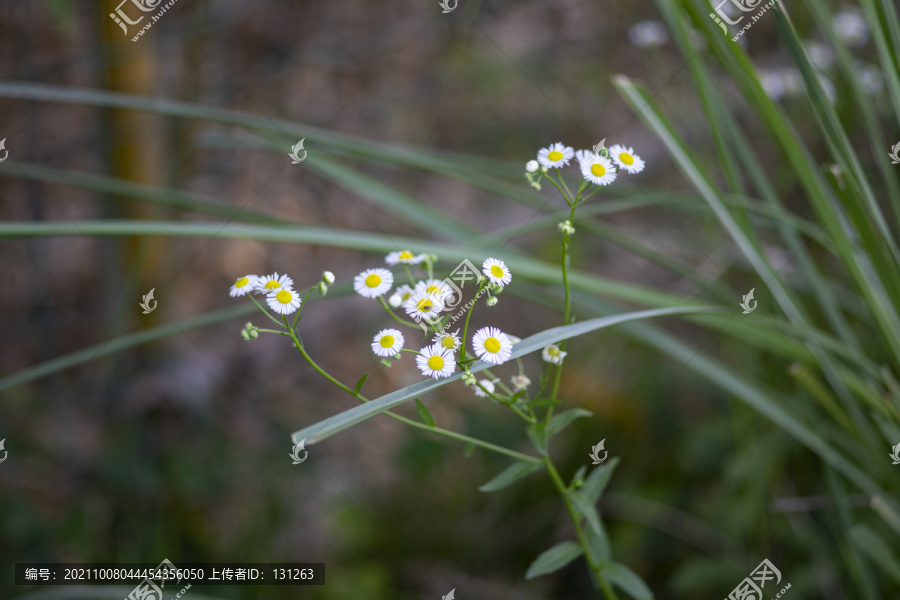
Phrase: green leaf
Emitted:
{"points": [[361, 382], [554, 559], [424, 414], [587, 510], [598, 479], [623, 577], [538, 438], [319, 431], [563, 419], [598, 543], [469, 449], [509, 475]]}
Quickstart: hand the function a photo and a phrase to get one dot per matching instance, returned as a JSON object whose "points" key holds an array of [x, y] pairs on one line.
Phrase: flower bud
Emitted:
{"points": [[566, 227], [492, 301], [531, 166], [323, 289], [395, 300], [386, 362], [328, 277]]}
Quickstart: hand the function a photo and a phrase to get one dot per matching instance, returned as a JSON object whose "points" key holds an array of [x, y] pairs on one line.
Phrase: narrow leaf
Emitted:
{"points": [[537, 436], [598, 479], [598, 543], [563, 419], [554, 559], [509, 475], [469, 449], [319, 431], [424, 414], [876, 549], [586, 509], [361, 382], [623, 577]]}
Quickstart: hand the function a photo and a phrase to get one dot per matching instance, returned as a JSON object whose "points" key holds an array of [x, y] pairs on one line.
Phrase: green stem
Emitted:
{"points": [[410, 422], [265, 312], [568, 310], [579, 532], [462, 347], [394, 316], [561, 191]]}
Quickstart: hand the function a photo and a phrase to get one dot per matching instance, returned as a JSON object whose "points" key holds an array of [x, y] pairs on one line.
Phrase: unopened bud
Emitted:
{"points": [[323, 289], [531, 166], [566, 227], [395, 300], [386, 362], [492, 301], [328, 277]]}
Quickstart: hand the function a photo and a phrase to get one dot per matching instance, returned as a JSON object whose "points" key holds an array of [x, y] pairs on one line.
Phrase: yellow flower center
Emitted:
{"points": [[435, 363], [553, 351], [373, 280], [626, 158], [555, 155], [387, 341], [424, 305], [448, 342], [241, 282], [432, 289], [492, 345], [598, 169], [284, 297], [497, 271], [272, 284], [406, 255]]}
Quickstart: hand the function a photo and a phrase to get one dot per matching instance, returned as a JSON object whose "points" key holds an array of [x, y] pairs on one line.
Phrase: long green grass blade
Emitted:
{"points": [[319, 431]]}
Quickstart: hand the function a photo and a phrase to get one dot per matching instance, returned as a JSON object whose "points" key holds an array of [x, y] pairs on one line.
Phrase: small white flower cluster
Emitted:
{"points": [[425, 300], [599, 169], [278, 289]]}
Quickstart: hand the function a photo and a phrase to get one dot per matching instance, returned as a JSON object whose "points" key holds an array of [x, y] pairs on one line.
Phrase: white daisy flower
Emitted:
{"points": [[283, 301], [387, 342], [520, 382], [447, 341], [552, 354], [595, 168], [492, 345], [404, 291], [243, 285], [436, 362], [531, 166], [404, 257], [435, 287], [267, 283], [555, 156], [372, 283], [497, 271], [487, 385], [423, 306], [626, 159]]}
